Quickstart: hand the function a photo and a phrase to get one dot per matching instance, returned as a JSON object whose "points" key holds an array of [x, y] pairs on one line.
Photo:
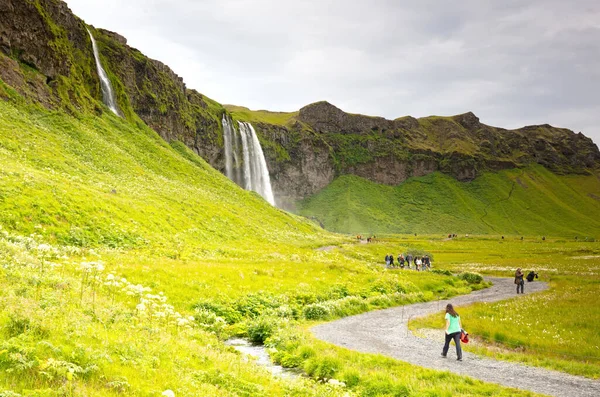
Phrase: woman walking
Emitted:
{"points": [[519, 280], [453, 327]]}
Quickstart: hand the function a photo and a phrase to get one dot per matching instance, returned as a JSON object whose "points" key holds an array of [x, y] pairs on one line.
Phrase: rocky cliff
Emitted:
{"points": [[46, 55], [391, 151]]}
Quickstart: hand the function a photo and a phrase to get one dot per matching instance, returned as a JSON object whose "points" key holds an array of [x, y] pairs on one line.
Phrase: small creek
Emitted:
{"points": [[262, 358]]}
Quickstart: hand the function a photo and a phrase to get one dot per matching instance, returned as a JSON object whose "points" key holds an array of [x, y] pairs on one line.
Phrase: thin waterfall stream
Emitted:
{"points": [[108, 96]]}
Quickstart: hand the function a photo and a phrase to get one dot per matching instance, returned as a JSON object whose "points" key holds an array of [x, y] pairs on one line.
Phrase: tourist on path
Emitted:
{"points": [[387, 261], [453, 327], [401, 261], [418, 263], [409, 259], [519, 280], [391, 260]]}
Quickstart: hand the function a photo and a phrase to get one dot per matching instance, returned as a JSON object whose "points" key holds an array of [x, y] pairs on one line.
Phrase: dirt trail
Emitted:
{"points": [[386, 332]]}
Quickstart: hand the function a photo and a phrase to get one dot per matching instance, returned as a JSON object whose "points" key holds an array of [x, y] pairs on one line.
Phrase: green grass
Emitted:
{"points": [[556, 329], [261, 116], [532, 201]]}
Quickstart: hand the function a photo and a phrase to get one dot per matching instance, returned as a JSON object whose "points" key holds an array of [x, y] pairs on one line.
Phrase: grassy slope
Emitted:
{"points": [[59, 174], [540, 203], [260, 116]]}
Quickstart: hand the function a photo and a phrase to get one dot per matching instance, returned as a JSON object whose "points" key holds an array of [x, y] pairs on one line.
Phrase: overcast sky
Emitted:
{"points": [[512, 63]]}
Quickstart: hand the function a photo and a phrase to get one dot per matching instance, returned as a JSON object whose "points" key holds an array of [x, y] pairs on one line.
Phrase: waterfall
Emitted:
{"points": [[250, 171], [107, 92]]}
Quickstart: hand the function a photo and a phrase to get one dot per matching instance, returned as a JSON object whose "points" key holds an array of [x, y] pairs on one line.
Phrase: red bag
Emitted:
{"points": [[464, 336]]}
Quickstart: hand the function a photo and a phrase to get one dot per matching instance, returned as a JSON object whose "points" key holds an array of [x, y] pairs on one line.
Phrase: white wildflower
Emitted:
{"points": [[168, 393]]}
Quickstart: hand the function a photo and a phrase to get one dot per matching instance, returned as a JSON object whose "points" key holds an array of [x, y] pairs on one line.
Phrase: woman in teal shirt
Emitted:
{"points": [[453, 327]]}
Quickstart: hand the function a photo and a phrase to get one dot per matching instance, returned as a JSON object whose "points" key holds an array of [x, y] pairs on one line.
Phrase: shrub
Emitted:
{"points": [[351, 377], [228, 313], [316, 311], [471, 278], [322, 367], [349, 306], [261, 329], [443, 272], [209, 321]]}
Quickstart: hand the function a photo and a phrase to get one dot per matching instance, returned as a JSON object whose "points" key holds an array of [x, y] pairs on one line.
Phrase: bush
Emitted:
{"points": [[349, 306], [209, 321], [316, 311], [322, 367], [261, 329], [471, 278], [351, 377], [228, 313], [443, 272]]}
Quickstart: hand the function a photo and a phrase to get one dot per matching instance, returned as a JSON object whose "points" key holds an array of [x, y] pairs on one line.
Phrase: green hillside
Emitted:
{"points": [[90, 181], [531, 201]]}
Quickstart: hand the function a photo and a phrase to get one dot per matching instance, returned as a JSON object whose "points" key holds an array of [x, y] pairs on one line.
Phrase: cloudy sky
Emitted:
{"points": [[512, 63]]}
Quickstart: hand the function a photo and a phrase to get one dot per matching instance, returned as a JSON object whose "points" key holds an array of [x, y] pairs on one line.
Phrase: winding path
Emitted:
{"points": [[386, 332]]}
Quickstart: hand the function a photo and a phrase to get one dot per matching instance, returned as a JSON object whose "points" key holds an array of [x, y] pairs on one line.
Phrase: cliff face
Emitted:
{"points": [[46, 55], [391, 151]]}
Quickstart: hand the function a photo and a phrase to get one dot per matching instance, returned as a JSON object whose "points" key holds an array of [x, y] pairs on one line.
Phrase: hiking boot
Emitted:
{"points": [[459, 359], [443, 355]]}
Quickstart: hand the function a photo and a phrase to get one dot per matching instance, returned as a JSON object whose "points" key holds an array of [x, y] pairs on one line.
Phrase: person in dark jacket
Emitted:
{"points": [[519, 280], [531, 276]]}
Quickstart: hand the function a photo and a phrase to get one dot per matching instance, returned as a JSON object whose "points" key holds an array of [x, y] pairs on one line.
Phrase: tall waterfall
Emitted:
{"points": [[245, 162], [107, 92]]}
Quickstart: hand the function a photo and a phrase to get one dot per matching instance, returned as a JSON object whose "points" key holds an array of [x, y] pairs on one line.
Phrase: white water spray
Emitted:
{"points": [[250, 172], [107, 92]]}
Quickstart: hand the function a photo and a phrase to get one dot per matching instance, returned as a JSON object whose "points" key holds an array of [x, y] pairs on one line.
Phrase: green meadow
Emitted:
{"points": [[126, 262]]}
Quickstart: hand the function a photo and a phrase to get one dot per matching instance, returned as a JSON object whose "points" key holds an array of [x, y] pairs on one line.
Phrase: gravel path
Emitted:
{"points": [[386, 332]]}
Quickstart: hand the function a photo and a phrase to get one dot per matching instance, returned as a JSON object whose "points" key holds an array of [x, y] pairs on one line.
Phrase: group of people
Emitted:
{"points": [[519, 279], [420, 263]]}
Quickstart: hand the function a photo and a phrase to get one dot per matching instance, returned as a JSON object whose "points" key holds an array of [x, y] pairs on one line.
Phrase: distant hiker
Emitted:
{"points": [[418, 263], [453, 327], [519, 280], [387, 261], [391, 260], [427, 262], [409, 259], [544, 238], [401, 261], [531, 276]]}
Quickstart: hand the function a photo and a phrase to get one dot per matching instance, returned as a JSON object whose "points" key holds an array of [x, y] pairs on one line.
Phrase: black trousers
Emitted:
{"points": [[520, 285], [456, 337]]}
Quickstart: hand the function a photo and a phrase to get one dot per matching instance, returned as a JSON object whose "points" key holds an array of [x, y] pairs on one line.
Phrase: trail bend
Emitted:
{"points": [[386, 332]]}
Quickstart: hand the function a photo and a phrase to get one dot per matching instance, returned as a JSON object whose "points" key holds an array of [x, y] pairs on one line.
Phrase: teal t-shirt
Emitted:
{"points": [[454, 323]]}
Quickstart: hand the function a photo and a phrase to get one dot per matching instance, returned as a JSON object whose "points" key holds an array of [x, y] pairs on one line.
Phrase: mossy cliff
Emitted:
{"points": [[46, 55], [307, 149]]}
